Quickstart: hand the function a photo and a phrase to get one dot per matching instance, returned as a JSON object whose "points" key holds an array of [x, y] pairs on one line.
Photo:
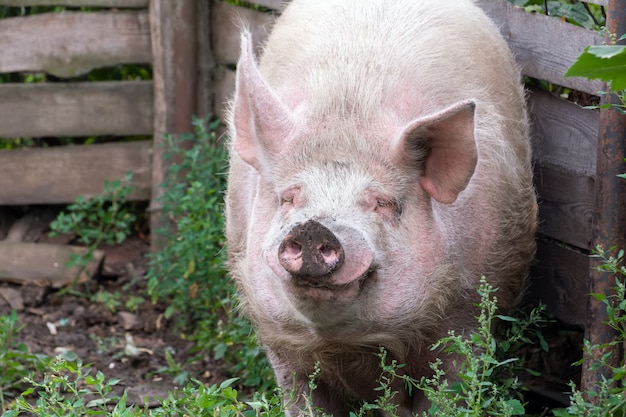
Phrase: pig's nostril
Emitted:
{"points": [[329, 253], [292, 248]]}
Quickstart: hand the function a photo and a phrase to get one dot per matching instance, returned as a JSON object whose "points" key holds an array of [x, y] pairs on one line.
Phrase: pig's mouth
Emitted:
{"points": [[328, 283]]}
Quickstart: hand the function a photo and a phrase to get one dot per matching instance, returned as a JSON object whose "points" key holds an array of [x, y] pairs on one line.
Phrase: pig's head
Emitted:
{"points": [[350, 200]]}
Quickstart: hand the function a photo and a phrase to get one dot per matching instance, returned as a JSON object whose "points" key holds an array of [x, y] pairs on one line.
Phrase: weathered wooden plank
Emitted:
{"points": [[566, 206], [224, 86], [272, 4], [69, 44], [78, 3], [206, 62], [76, 109], [545, 47], [227, 22], [564, 153], [60, 174], [559, 280], [42, 264], [565, 135], [175, 48]]}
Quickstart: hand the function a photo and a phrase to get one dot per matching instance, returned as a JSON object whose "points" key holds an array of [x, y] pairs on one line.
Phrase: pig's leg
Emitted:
{"points": [[294, 381]]}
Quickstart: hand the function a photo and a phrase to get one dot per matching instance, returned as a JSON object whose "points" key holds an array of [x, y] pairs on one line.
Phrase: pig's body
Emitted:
{"points": [[380, 165]]}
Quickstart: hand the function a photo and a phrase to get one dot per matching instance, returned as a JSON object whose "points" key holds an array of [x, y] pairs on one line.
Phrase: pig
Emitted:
{"points": [[379, 166]]}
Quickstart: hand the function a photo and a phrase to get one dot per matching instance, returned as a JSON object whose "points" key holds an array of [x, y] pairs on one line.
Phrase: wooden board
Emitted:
{"points": [[565, 135], [224, 87], [564, 153], [545, 47], [76, 109], [272, 4], [175, 48], [559, 280], [227, 22], [60, 174], [77, 3], [566, 204], [69, 44], [42, 264]]}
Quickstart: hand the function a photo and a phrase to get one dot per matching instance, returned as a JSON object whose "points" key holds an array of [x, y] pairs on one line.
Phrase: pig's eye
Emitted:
{"points": [[290, 198], [385, 205], [388, 209]]}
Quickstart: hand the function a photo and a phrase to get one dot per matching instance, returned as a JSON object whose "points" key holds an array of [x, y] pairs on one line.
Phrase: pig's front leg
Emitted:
{"points": [[299, 400]]}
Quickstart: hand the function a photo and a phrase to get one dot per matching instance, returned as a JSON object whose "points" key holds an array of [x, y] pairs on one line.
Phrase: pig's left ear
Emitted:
{"points": [[445, 147], [260, 119]]}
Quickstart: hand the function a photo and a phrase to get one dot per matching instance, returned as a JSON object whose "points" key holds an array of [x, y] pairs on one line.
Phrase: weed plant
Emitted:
{"points": [[104, 218], [16, 362], [486, 383], [188, 272], [609, 395]]}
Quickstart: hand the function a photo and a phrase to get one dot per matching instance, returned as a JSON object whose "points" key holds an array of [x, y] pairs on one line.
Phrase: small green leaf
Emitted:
{"points": [[516, 407]]}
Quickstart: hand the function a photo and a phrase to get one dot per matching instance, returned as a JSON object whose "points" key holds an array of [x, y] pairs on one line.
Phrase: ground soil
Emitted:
{"points": [[128, 344]]}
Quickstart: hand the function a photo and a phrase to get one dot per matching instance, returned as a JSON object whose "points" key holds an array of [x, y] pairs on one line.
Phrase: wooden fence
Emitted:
{"points": [[164, 34], [193, 46]]}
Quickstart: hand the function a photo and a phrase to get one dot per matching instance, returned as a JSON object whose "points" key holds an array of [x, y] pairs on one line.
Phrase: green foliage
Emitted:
{"points": [[188, 272], [15, 360], [589, 16], [384, 402], [67, 389], [609, 395], [606, 63], [485, 383], [104, 218]]}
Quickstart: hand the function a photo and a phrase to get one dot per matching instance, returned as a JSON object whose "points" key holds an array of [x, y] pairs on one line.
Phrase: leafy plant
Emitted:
{"points": [[610, 394], [67, 389], [104, 218], [486, 383], [188, 272], [589, 16], [606, 63], [15, 360]]}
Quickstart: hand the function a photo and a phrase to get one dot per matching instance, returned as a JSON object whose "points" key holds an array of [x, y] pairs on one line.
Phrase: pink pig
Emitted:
{"points": [[380, 164]]}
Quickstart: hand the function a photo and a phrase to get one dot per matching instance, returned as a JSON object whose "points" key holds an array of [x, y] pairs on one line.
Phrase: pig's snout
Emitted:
{"points": [[310, 250]]}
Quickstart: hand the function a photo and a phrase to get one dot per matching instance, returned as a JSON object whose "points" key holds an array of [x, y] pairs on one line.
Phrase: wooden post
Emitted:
{"points": [[609, 222], [174, 47]]}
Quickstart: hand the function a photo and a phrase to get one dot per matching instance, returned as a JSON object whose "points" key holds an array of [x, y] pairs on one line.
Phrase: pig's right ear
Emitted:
{"points": [[443, 145], [260, 119]]}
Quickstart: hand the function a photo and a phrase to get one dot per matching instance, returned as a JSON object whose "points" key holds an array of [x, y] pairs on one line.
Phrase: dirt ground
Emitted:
{"points": [[124, 343]]}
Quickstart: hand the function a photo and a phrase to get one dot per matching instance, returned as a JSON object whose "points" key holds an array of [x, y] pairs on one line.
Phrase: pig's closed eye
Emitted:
{"points": [[388, 209], [385, 205], [291, 198]]}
